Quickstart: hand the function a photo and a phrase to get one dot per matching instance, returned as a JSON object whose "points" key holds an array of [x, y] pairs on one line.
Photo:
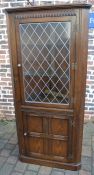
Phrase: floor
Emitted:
{"points": [[10, 165]]}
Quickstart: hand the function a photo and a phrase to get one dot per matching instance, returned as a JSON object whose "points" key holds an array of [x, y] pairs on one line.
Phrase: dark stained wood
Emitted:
{"points": [[62, 6], [35, 145], [51, 134], [34, 124], [82, 52], [59, 148], [58, 127]]}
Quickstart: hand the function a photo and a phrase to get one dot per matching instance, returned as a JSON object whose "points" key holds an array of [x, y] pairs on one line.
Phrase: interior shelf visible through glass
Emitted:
{"points": [[45, 50]]}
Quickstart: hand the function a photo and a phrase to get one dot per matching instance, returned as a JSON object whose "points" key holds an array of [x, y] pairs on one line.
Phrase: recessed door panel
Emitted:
{"points": [[33, 123], [59, 127], [58, 147], [34, 145]]}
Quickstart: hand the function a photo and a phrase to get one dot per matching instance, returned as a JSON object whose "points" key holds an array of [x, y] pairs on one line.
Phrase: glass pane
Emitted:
{"points": [[45, 49]]}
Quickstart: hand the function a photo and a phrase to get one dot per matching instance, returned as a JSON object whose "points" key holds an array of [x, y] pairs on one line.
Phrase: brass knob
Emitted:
{"points": [[19, 65], [25, 134]]}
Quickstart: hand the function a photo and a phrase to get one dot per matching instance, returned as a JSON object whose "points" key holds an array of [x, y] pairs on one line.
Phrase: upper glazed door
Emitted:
{"points": [[46, 59]]}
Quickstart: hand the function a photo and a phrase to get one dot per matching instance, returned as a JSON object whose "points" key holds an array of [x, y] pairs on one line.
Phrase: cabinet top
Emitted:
{"points": [[48, 7]]}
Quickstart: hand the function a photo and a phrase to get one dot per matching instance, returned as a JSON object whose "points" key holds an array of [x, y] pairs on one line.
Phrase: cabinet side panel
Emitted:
{"points": [[81, 54]]}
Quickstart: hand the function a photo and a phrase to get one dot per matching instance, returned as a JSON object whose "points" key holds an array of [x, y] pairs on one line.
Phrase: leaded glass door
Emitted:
{"points": [[47, 58]]}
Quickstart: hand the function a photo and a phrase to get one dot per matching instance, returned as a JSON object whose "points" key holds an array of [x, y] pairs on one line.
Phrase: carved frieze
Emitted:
{"points": [[49, 13]]}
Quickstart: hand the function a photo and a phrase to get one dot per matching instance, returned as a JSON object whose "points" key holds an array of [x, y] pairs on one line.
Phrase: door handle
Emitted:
{"points": [[25, 134], [18, 65]]}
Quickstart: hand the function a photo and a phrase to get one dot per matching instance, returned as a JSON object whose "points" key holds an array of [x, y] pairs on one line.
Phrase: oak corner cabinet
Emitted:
{"points": [[48, 46]]}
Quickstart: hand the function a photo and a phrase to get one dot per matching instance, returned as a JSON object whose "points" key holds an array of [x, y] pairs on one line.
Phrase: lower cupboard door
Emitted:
{"points": [[48, 138]]}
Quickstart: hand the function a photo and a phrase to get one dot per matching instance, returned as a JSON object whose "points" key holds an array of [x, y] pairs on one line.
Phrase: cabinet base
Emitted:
{"points": [[67, 166]]}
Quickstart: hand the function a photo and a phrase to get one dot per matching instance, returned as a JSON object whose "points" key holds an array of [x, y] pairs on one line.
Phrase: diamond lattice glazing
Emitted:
{"points": [[45, 49]]}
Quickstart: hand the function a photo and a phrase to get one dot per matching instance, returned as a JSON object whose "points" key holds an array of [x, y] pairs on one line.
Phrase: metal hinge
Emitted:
{"points": [[76, 28], [15, 81], [22, 151], [72, 101], [72, 123], [74, 66]]}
